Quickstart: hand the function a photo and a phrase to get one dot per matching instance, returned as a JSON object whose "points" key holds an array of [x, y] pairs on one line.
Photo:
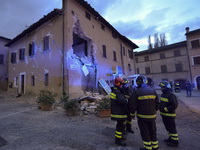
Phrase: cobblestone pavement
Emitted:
{"points": [[25, 127]]}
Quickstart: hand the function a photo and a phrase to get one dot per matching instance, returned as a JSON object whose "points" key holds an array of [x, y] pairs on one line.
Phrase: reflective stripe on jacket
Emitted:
{"points": [[118, 104], [168, 104]]}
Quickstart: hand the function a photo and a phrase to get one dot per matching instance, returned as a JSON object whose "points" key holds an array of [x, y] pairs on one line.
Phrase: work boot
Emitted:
{"points": [[167, 140], [119, 142], [130, 130], [172, 143]]}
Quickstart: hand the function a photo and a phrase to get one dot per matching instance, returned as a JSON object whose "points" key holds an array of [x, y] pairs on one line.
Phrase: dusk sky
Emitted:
{"points": [[135, 19]]}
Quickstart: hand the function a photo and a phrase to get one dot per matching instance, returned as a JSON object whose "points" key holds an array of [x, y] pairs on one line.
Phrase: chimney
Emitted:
{"points": [[187, 29]]}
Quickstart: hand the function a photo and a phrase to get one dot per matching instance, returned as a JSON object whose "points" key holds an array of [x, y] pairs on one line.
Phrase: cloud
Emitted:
{"points": [[15, 16], [134, 29]]}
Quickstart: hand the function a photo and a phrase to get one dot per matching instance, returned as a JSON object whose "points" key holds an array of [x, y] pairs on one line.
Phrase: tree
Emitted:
{"points": [[149, 42], [156, 40], [163, 40]]}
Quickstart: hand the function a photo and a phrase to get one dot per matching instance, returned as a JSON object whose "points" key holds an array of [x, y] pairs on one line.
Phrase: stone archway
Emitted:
{"points": [[198, 82]]}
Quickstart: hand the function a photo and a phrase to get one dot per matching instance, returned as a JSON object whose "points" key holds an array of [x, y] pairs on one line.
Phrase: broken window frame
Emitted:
{"points": [[1, 59], [13, 58], [22, 54]]}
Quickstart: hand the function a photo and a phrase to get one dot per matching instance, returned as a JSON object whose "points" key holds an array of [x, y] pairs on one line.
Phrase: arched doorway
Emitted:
{"points": [[198, 82]]}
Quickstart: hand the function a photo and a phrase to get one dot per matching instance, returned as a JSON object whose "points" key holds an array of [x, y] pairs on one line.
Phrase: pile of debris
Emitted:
{"points": [[89, 102]]}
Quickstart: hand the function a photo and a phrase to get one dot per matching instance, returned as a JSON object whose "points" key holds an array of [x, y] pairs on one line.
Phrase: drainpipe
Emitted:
{"points": [[190, 70], [63, 47]]}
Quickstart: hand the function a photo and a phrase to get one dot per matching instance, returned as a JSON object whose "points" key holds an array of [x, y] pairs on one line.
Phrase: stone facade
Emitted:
{"points": [[68, 50], [3, 63]]}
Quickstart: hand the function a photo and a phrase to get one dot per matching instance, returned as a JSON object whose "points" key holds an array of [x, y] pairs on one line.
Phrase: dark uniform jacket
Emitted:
{"points": [[118, 104], [168, 104], [145, 101]]}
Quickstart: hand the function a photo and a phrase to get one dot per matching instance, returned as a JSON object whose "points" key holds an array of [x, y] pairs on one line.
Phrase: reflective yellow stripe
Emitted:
{"points": [[146, 116], [148, 147], [164, 99], [146, 97], [171, 134], [147, 143], [113, 96], [132, 115], [167, 114], [175, 139], [166, 109], [119, 116], [118, 136], [155, 146], [154, 142], [117, 132]]}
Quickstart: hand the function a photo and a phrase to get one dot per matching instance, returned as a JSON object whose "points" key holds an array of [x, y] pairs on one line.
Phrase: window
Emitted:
{"points": [[146, 58], [87, 15], [33, 80], [138, 71], [196, 60], [124, 51], [114, 35], [130, 54], [104, 51], [13, 58], [21, 54], [46, 79], [162, 55], [136, 59], [129, 67], [195, 43], [178, 67], [177, 53], [46, 43], [1, 58], [31, 51], [114, 56], [102, 27], [147, 70], [163, 68]]}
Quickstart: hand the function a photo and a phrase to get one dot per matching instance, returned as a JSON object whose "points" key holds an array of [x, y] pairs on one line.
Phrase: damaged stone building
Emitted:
{"points": [[68, 50], [3, 63]]}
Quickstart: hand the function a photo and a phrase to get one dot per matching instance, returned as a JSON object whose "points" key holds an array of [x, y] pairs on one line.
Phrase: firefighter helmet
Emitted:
{"points": [[165, 85], [118, 81], [141, 80], [125, 81]]}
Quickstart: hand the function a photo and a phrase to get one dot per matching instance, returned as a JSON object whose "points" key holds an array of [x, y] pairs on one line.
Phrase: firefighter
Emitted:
{"points": [[168, 105], [118, 110], [177, 87], [126, 89], [145, 102]]}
